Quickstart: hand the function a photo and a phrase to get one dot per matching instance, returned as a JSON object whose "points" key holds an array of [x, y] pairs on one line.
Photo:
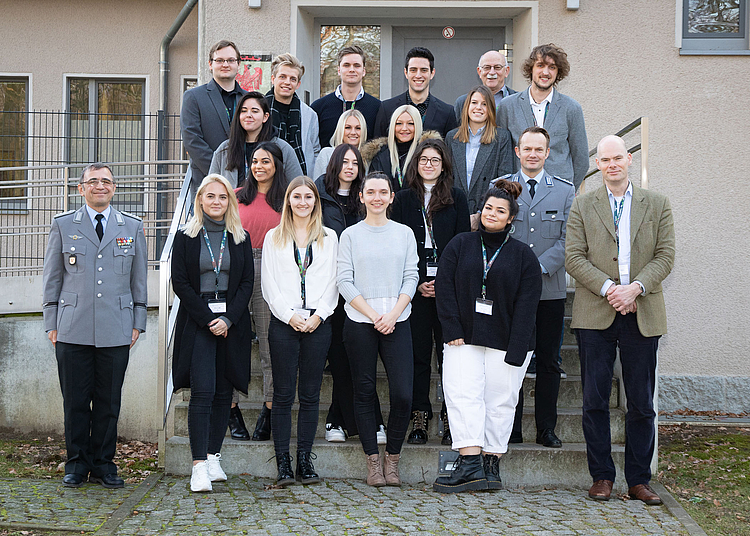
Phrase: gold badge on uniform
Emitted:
{"points": [[72, 260]]}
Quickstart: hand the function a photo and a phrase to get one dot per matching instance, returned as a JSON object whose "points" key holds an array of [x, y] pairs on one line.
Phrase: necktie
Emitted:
{"points": [[99, 226], [532, 187]]}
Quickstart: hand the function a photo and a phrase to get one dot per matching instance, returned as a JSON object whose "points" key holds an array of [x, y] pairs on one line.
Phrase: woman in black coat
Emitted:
{"points": [[212, 274], [436, 212]]}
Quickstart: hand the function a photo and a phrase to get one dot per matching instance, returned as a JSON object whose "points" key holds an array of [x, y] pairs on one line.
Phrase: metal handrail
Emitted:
{"points": [[642, 147]]}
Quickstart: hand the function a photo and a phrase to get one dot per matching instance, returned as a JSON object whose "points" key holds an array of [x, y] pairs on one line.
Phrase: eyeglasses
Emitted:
{"points": [[95, 182], [220, 61], [434, 161], [488, 68]]}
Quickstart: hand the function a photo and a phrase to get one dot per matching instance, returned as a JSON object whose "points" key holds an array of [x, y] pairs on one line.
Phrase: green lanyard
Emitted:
{"points": [[216, 267], [399, 176], [616, 216], [488, 265], [432, 236], [303, 266]]}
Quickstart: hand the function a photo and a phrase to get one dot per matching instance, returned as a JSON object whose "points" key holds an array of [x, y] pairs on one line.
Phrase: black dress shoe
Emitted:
{"points": [[263, 425], [237, 428], [548, 438], [73, 480], [110, 481]]}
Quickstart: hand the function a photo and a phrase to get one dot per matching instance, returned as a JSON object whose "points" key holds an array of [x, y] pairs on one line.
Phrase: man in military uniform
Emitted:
{"points": [[544, 205], [94, 310]]}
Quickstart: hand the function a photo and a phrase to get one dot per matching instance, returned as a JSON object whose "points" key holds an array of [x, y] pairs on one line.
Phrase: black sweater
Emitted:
{"points": [[514, 284], [329, 108]]}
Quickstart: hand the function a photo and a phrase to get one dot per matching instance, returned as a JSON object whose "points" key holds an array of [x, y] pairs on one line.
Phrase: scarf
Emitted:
{"points": [[290, 128]]}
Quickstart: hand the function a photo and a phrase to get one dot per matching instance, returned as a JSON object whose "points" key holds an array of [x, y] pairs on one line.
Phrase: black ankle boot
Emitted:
{"points": [[263, 425], [447, 438], [492, 471], [286, 475], [467, 475], [418, 435], [237, 428], [305, 470]]}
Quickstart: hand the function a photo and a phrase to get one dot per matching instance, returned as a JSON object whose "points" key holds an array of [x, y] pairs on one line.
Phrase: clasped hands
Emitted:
{"points": [[622, 297], [304, 326], [385, 323]]}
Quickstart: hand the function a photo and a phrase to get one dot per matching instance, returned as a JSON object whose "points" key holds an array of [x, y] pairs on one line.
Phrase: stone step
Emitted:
{"points": [[568, 421], [526, 464]]}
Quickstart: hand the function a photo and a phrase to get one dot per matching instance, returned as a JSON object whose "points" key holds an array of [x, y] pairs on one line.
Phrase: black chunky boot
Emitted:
{"points": [[467, 475], [492, 471], [305, 470], [237, 428], [418, 435], [263, 425], [447, 438], [286, 475]]}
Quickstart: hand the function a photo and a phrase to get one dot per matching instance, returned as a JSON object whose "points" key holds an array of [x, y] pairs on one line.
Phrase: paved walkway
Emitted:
{"points": [[247, 505]]}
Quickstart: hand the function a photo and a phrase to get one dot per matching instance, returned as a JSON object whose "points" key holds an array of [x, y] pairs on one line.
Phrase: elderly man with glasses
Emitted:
{"points": [[493, 69]]}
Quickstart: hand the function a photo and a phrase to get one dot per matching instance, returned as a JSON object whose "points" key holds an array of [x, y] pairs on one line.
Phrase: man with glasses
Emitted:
{"points": [[207, 110], [95, 282], [493, 69]]}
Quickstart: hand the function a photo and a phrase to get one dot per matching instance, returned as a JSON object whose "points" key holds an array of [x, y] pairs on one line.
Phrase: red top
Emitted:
{"points": [[258, 218]]}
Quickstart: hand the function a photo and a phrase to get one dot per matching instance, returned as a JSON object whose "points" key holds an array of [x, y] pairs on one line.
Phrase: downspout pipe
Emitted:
{"points": [[164, 52]]}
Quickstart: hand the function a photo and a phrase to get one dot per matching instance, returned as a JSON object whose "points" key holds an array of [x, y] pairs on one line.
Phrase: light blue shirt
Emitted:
{"points": [[472, 149], [92, 214]]}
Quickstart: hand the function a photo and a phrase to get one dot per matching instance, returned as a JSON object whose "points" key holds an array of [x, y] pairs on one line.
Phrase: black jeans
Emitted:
{"points": [[91, 382], [294, 352], [341, 411], [598, 349], [425, 328], [210, 395], [363, 343]]}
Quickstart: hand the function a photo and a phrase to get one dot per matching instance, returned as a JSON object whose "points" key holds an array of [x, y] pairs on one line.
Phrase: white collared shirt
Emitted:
{"points": [[93, 213], [623, 235], [539, 109], [341, 97]]}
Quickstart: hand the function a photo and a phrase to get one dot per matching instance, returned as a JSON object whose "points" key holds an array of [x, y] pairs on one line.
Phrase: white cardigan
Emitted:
{"points": [[280, 279]]}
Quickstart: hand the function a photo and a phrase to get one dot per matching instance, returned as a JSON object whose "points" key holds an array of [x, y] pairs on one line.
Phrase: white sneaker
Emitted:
{"points": [[382, 438], [335, 434], [215, 472], [199, 480]]}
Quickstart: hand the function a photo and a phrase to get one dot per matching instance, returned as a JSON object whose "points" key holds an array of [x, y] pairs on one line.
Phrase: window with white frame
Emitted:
{"points": [[13, 134]]}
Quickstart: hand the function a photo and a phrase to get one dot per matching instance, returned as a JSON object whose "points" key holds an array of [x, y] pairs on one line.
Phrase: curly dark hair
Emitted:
{"points": [[548, 51]]}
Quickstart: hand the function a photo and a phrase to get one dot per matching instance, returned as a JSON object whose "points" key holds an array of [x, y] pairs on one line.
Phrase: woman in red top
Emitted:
{"points": [[261, 199]]}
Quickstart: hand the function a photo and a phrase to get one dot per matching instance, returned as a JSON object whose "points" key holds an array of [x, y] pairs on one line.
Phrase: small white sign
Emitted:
{"points": [[449, 32]]}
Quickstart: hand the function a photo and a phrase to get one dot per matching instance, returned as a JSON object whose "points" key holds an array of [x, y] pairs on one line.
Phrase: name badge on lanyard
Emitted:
{"points": [[217, 306], [432, 269], [303, 265], [432, 266], [483, 305]]}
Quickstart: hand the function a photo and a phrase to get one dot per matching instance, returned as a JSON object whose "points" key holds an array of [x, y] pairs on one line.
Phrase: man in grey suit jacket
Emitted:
{"points": [[544, 205], [542, 105], [493, 69], [207, 110], [95, 283]]}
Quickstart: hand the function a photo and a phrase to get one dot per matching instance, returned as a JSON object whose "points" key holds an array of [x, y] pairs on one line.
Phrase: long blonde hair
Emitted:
{"points": [[284, 233], [490, 129], [414, 113], [231, 216], [338, 134]]}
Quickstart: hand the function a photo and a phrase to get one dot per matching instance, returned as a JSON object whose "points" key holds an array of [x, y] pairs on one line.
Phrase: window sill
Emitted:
{"points": [[688, 52]]}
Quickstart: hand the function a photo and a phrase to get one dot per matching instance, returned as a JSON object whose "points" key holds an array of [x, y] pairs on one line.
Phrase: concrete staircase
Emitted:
{"points": [[526, 464]]}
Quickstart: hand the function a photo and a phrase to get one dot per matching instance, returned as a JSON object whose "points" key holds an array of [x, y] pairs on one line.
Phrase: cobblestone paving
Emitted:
{"points": [[243, 505]]}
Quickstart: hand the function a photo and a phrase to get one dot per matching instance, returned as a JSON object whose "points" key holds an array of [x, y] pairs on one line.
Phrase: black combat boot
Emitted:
{"points": [[305, 470], [492, 471], [286, 475], [467, 475]]}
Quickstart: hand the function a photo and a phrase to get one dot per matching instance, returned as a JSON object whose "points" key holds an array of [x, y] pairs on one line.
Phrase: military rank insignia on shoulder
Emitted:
{"points": [[562, 180], [63, 214], [129, 215]]}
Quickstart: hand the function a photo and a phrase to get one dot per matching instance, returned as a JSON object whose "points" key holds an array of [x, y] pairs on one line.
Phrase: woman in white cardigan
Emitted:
{"points": [[298, 278]]}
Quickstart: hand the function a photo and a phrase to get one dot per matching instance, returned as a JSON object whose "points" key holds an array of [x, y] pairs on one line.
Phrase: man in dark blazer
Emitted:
{"points": [[493, 69], [95, 284], [620, 247], [436, 114], [207, 110], [544, 106]]}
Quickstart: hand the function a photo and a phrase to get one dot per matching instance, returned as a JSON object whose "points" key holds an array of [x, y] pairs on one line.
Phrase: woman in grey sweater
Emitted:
{"points": [[377, 276]]}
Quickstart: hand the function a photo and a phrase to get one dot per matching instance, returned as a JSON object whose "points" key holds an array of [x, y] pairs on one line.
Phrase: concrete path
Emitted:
{"points": [[247, 505]]}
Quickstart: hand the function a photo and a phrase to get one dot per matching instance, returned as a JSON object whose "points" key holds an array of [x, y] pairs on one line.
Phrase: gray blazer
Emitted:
{"points": [[493, 160], [569, 149], [541, 224], [292, 169], [95, 293], [205, 124]]}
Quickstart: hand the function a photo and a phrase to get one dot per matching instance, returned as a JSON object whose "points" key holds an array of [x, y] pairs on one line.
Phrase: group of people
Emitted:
{"points": [[374, 255]]}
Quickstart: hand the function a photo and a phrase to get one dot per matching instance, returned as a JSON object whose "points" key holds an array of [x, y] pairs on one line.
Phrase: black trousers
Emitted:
{"points": [[425, 329], [341, 411], [91, 381], [549, 328], [293, 353], [363, 343], [210, 395], [598, 349]]}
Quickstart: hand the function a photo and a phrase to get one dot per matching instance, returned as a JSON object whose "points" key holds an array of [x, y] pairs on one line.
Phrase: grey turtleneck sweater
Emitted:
{"points": [[215, 231]]}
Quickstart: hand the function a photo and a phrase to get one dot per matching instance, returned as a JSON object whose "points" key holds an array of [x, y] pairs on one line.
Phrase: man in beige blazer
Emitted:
{"points": [[620, 247]]}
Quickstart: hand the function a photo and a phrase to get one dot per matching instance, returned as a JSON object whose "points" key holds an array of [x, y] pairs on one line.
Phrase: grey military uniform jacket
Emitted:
{"points": [[95, 293], [541, 223]]}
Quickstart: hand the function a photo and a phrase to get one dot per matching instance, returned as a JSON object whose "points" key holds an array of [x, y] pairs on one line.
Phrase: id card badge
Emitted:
{"points": [[217, 306], [432, 269], [624, 274], [483, 307], [303, 313]]}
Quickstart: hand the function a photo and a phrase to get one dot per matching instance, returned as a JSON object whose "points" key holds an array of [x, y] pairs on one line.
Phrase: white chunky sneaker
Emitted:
{"points": [[335, 434], [382, 438], [215, 472], [199, 480]]}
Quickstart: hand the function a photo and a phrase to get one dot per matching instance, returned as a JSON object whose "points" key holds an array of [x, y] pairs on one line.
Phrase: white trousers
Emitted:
{"points": [[481, 393]]}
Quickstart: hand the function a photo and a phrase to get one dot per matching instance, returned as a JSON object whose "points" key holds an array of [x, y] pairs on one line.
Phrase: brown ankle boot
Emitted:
{"points": [[390, 468], [375, 471]]}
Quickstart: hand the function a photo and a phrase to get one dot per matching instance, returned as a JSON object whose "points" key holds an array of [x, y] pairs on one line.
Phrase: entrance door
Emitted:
{"points": [[456, 59]]}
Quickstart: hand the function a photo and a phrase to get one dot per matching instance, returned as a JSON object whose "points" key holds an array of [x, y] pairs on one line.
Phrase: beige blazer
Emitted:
{"points": [[591, 257]]}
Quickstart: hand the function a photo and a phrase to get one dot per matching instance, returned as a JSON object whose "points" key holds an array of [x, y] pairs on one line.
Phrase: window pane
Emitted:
{"points": [[333, 39], [12, 133], [79, 121], [713, 17]]}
